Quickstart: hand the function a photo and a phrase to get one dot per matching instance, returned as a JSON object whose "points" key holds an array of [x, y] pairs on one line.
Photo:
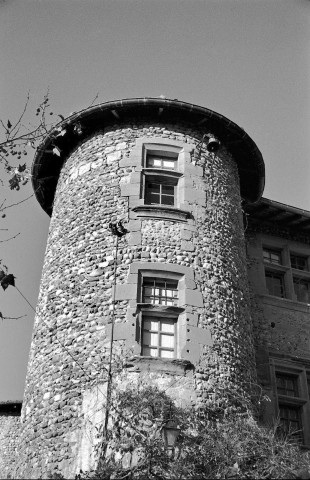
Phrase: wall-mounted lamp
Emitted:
{"points": [[170, 433], [213, 145]]}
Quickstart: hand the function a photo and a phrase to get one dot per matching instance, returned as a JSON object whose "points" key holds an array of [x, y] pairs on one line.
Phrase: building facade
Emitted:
{"points": [[201, 288]]}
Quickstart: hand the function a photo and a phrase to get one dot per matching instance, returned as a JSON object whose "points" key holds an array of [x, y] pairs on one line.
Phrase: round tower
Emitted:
{"points": [[160, 298]]}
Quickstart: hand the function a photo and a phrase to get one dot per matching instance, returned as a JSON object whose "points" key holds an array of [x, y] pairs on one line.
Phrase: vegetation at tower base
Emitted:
{"points": [[222, 439]]}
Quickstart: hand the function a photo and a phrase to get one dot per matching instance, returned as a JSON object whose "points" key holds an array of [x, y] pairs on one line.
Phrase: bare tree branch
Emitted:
{"points": [[14, 204], [11, 238]]}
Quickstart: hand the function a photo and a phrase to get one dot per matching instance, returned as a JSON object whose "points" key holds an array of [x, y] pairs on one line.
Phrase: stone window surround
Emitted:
{"points": [[191, 337], [132, 189], [285, 268], [174, 312], [303, 399]]}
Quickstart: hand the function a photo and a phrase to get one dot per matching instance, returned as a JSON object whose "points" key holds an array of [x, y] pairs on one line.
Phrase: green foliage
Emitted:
{"points": [[216, 441]]}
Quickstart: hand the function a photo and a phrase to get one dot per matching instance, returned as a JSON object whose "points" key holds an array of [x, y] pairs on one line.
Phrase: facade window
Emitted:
{"points": [[159, 191], [275, 284], [292, 401], [158, 337], [302, 289], [287, 384], [161, 177], [299, 262], [160, 292], [272, 256], [281, 278], [159, 323], [289, 415], [290, 421]]}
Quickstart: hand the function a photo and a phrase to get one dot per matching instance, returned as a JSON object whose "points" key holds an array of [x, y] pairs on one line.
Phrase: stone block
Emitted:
{"points": [[132, 161], [190, 283], [199, 335], [186, 234], [135, 177], [128, 189], [134, 238], [135, 200], [192, 195], [194, 298], [192, 319], [187, 246], [122, 331], [109, 149], [121, 146], [168, 267], [97, 163], [125, 291], [113, 157], [74, 173], [84, 169], [134, 225]]}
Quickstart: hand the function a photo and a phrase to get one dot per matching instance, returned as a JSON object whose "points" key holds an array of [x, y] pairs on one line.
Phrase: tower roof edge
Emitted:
{"points": [[47, 165]]}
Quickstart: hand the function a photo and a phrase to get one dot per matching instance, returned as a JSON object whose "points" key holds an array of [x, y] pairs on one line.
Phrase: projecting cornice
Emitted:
{"points": [[46, 166]]}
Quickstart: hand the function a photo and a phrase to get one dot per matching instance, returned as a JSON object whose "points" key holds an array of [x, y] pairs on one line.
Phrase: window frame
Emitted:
{"points": [[289, 274], [146, 310], [300, 402], [301, 281], [172, 153], [272, 251], [159, 318], [300, 256], [161, 297], [161, 179]]}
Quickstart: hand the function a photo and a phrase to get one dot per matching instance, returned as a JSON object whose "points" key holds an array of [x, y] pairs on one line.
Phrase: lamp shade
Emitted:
{"points": [[170, 433]]}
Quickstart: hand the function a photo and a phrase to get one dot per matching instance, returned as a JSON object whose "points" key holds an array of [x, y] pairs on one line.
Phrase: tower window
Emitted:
{"points": [[163, 161], [160, 191], [158, 337], [160, 292]]}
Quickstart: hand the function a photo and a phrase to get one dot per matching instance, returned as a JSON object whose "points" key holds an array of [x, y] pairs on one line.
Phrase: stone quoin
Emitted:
{"points": [[173, 290]]}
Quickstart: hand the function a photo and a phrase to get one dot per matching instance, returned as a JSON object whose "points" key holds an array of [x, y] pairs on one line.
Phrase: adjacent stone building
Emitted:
{"points": [[207, 284]]}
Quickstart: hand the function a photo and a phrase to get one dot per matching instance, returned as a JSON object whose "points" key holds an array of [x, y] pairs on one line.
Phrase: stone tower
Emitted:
{"points": [[176, 175]]}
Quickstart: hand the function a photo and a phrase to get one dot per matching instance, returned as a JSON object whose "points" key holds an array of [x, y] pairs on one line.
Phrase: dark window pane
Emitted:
{"points": [[272, 256], [159, 193], [302, 290], [160, 292], [152, 199], [275, 284], [299, 262], [165, 200], [287, 384], [290, 421], [153, 187], [168, 190]]}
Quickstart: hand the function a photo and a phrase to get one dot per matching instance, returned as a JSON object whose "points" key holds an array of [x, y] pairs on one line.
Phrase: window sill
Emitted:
{"points": [[163, 212], [173, 366], [160, 308], [294, 401], [285, 303]]}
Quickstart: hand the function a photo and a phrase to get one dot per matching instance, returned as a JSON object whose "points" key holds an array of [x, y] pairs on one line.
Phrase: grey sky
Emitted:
{"points": [[248, 60]]}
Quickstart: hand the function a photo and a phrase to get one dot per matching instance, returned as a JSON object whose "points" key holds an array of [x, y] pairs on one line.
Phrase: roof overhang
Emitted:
{"points": [[46, 166], [276, 213]]}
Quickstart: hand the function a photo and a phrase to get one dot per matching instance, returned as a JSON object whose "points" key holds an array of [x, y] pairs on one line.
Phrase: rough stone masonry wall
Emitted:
{"points": [[9, 435], [64, 397]]}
